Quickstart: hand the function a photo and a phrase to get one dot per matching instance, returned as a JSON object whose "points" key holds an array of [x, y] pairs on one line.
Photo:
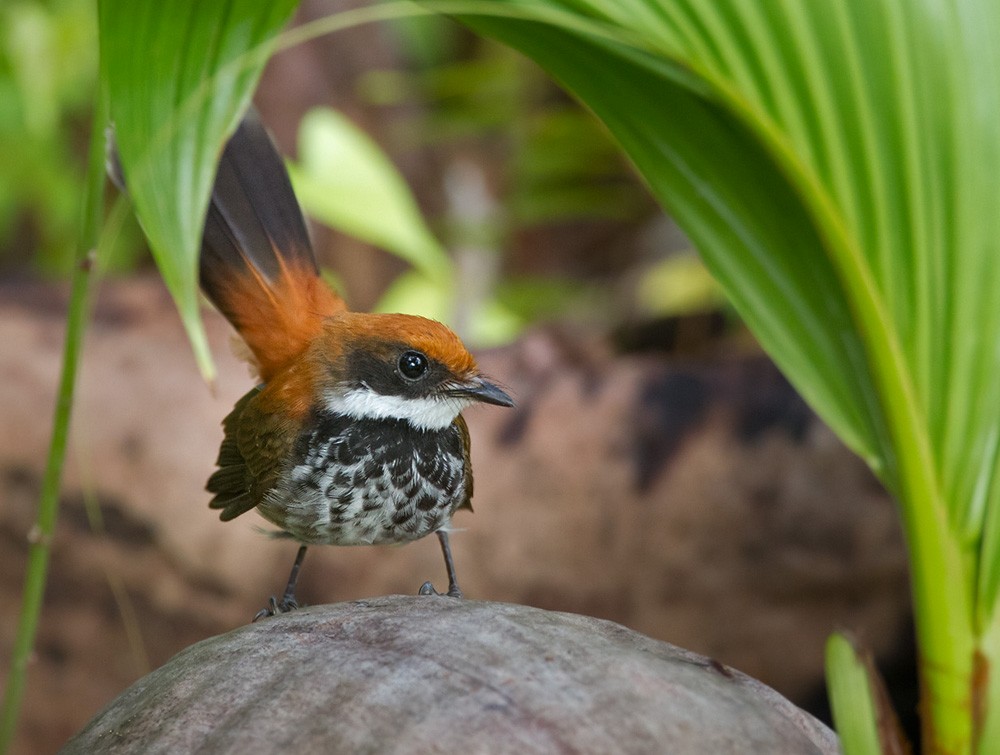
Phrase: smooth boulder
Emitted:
{"points": [[436, 674]]}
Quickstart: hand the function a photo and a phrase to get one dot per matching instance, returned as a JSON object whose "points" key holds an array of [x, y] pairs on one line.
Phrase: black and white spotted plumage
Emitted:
{"points": [[349, 481]]}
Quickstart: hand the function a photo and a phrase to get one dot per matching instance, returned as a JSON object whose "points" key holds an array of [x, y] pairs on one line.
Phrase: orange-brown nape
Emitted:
{"points": [[374, 332]]}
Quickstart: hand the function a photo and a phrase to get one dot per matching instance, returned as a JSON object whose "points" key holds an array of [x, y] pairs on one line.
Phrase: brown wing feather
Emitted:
{"points": [[254, 451], [463, 428]]}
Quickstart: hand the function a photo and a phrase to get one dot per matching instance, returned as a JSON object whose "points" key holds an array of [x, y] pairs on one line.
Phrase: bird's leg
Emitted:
{"points": [[288, 602], [453, 589]]}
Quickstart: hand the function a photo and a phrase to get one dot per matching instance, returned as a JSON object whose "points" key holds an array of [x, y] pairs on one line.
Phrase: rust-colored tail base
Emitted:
{"points": [[257, 265]]}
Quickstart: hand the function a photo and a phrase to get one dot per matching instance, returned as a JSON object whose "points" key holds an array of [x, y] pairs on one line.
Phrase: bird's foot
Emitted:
{"points": [[428, 589], [274, 607]]}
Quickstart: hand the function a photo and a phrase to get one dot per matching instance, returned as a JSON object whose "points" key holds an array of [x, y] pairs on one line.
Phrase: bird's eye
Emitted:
{"points": [[412, 365]]}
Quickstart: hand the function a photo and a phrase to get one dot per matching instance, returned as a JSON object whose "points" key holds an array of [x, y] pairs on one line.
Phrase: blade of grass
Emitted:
{"points": [[851, 698], [862, 711], [40, 536]]}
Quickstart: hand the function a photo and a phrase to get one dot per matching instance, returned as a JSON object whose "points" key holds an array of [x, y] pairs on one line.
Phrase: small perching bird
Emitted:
{"points": [[355, 434]]}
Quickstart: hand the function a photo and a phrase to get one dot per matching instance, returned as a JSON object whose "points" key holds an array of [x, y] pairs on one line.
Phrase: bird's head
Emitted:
{"points": [[380, 366]]}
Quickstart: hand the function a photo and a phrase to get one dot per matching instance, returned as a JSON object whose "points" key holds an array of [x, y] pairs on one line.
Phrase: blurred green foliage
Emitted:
{"points": [[679, 285], [346, 181], [48, 70], [544, 160], [541, 160], [556, 161], [48, 78]]}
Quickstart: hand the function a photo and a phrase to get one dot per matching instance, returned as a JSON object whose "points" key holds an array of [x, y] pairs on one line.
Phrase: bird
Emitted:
{"points": [[354, 434]]}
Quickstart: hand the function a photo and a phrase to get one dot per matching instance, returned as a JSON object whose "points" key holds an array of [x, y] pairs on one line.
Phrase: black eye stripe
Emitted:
{"points": [[412, 365]]}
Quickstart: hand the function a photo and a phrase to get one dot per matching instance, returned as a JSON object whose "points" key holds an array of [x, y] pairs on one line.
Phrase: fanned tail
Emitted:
{"points": [[257, 265]]}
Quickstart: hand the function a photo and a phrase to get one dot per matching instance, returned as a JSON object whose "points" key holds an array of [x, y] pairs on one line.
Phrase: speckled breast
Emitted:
{"points": [[361, 482]]}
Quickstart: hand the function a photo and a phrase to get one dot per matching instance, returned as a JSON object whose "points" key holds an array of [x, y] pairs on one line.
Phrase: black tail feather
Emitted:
{"points": [[254, 221], [256, 264]]}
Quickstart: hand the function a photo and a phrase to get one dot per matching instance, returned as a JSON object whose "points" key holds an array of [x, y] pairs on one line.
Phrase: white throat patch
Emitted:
{"points": [[422, 413]]}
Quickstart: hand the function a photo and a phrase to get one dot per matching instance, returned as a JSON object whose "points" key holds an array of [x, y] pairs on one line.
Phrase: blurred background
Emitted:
{"points": [[658, 471]]}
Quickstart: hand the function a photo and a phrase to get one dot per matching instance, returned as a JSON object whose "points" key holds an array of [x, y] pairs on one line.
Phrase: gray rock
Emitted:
{"points": [[425, 674]]}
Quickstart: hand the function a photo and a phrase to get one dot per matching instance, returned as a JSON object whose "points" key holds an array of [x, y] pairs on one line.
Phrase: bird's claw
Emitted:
{"points": [[274, 607], [428, 589]]}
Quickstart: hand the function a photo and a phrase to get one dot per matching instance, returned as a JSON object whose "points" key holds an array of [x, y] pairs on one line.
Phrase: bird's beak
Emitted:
{"points": [[482, 390]]}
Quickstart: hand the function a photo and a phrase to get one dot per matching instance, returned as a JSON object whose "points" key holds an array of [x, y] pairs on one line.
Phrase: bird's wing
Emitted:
{"points": [[463, 430], [255, 449]]}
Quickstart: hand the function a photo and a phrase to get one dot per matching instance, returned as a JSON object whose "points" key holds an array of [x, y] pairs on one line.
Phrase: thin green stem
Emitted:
{"points": [[40, 536], [986, 688]]}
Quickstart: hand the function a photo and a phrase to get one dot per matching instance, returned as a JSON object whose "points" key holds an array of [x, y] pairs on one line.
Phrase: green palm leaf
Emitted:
{"points": [[179, 75], [837, 166]]}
